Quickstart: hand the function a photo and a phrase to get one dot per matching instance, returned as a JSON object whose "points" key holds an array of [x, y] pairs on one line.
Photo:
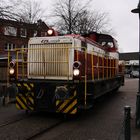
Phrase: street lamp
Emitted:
{"points": [[137, 10]]}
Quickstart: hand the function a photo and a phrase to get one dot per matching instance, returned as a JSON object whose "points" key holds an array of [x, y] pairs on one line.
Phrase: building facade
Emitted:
{"points": [[15, 34], [131, 61]]}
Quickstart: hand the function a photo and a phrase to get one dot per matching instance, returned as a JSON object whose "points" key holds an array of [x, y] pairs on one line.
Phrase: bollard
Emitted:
{"points": [[138, 111], [127, 127]]}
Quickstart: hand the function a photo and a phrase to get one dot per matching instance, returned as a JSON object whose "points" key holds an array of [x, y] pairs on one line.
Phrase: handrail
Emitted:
{"points": [[105, 66]]}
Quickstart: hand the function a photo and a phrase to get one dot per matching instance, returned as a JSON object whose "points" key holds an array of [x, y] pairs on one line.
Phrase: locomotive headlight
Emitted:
{"points": [[50, 32], [11, 71], [76, 72]]}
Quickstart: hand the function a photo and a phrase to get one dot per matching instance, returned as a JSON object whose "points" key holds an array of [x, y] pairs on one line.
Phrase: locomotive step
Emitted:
{"points": [[85, 107], [89, 94]]}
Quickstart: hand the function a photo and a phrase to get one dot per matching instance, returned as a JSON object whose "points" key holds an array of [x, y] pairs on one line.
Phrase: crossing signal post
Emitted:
{"points": [[137, 10]]}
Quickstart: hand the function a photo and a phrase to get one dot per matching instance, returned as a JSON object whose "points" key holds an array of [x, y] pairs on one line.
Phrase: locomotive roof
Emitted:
{"points": [[99, 35]]}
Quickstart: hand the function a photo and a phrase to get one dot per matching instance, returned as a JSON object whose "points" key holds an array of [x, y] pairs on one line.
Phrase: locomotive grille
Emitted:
{"points": [[50, 61]]}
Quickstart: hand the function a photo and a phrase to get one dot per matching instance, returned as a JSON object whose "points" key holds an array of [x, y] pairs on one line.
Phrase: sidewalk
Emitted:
{"points": [[131, 90], [135, 132]]}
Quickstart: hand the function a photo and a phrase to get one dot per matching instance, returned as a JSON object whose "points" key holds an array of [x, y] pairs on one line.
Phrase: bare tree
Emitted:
{"points": [[30, 11], [7, 9], [73, 17]]}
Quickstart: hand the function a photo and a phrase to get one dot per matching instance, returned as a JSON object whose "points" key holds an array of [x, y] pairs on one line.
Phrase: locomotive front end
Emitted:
{"points": [[45, 78]]}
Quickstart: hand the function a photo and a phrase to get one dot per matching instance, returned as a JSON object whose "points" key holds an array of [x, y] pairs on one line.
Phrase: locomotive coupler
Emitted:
{"points": [[62, 93]]}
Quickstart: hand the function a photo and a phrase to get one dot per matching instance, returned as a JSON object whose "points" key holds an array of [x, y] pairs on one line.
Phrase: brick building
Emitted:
{"points": [[15, 34]]}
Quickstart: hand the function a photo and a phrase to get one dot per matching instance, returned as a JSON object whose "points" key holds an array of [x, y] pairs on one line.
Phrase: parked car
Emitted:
{"points": [[134, 74], [128, 71]]}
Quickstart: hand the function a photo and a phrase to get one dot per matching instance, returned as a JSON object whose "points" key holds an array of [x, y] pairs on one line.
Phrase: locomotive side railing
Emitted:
{"points": [[51, 61], [21, 63], [55, 61], [19, 57], [106, 65], [107, 68]]}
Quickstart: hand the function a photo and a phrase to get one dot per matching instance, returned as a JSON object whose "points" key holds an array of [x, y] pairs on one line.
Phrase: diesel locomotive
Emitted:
{"points": [[65, 73]]}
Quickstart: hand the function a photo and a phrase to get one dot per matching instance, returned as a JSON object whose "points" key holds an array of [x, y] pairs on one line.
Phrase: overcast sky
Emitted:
{"points": [[124, 23]]}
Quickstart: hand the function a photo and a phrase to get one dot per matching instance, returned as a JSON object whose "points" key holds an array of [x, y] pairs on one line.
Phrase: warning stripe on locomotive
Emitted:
{"points": [[25, 100], [68, 106]]}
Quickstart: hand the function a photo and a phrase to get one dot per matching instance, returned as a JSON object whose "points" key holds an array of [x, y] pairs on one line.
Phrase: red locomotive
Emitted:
{"points": [[65, 73]]}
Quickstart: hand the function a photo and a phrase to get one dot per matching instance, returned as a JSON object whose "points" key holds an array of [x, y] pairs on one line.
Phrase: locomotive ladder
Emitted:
{"points": [[85, 77]]}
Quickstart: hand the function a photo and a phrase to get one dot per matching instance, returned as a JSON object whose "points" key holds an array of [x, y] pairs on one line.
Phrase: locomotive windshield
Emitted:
{"points": [[107, 41], [109, 44]]}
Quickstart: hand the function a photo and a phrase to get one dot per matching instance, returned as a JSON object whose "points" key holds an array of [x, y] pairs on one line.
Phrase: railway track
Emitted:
{"points": [[29, 121], [9, 122], [45, 130]]}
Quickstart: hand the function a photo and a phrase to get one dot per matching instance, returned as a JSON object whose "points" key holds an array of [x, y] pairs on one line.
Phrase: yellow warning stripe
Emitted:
{"points": [[70, 106], [19, 84], [26, 85], [20, 102], [74, 111], [67, 106], [23, 105], [64, 104], [57, 102], [17, 106], [25, 100], [31, 100], [32, 85]]}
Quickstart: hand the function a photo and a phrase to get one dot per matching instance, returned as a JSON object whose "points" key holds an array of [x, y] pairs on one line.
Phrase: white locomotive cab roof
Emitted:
{"points": [[52, 39]]}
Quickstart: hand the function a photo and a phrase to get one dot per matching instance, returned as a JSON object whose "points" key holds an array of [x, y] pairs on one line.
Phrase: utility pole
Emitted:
{"points": [[137, 10]]}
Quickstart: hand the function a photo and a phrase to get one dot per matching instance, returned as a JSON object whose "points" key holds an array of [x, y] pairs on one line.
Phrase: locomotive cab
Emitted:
{"points": [[108, 43]]}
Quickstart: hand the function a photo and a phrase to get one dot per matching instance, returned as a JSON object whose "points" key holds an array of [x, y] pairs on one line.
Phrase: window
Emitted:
{"points": [[107, 44], [24, 46], [111, 44], [83, 45], [12, 31], [35, 33], [9, 46], [23, 32]]}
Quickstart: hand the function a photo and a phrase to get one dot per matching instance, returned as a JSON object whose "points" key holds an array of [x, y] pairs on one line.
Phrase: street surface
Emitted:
{"points": [[103, 122]]}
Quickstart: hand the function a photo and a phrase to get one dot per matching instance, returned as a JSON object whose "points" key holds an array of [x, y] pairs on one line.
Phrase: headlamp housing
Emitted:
{"points": [[11, 71], [77, 70]]}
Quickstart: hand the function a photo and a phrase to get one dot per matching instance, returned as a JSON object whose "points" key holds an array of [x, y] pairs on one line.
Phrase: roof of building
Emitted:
{"points": [[39, 23], [129, 56]]}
